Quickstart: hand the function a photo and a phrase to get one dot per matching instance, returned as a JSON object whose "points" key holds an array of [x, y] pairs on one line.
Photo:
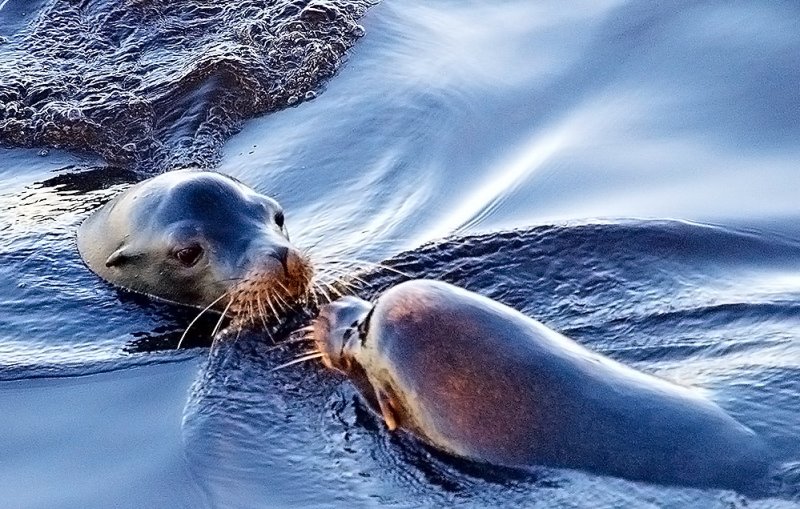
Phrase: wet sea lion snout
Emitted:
{"points": [[342, 323]]}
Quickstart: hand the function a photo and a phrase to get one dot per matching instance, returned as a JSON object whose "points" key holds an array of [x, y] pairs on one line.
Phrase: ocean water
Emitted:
{"points": [[628, 173]]}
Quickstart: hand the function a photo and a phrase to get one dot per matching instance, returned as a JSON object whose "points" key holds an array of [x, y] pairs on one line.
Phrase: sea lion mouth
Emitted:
{"points": [[326, 344], [338, 332], [271, 291], [331, 344]]}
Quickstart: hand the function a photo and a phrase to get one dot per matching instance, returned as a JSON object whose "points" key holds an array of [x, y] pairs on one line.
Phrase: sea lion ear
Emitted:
{"points": [[118, 257], [388, 412]]}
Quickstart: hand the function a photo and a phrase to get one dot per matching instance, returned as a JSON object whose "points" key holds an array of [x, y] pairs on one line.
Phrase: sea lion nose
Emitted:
{"points": [[281, 253]]}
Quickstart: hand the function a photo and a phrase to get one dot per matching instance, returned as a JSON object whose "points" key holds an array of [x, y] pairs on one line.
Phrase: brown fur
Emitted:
{"points": [[263, 293]]}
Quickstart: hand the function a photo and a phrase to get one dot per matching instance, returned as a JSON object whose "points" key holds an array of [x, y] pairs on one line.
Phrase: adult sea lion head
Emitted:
{"points": [[198, 238]]}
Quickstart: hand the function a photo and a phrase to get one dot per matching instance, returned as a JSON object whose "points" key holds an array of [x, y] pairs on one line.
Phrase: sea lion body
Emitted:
{"points": [[192, 237], [482, 381]]}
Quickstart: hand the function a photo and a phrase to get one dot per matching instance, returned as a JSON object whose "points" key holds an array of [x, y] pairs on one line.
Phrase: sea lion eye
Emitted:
{"points": [[279, 219], [363, 327], [188, 256]]}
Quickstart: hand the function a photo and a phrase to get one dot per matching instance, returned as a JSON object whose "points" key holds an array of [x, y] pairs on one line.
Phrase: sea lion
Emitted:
{"points": [[198, 238], [478, 379]]}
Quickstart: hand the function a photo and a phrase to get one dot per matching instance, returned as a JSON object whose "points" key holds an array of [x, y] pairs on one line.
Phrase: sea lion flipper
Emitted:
{"points": [[387, 410], [118, 257]]}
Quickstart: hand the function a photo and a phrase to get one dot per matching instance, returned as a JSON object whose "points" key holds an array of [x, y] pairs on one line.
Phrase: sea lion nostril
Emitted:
{"points": [[281, 253]]}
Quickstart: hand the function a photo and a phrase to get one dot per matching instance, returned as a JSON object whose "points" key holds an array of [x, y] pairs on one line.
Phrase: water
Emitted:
{"points": [[162, 83], [644, 156]]}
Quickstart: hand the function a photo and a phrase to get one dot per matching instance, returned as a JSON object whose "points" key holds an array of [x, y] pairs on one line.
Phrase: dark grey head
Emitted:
{"points": [[195, 237]]}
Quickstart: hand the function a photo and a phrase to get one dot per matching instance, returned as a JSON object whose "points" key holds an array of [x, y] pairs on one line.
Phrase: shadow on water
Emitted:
{"points": [[79, 180]]}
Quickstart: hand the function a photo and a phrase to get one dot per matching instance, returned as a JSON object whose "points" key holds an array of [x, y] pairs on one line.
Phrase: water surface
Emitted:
{"points": [[645, 155]]}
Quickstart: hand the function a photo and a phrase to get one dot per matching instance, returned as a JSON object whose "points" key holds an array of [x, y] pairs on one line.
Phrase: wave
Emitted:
{"points": [[156, 83]]}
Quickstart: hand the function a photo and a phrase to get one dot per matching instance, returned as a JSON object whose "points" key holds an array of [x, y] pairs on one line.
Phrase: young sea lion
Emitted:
{"points": [[482, 381]]}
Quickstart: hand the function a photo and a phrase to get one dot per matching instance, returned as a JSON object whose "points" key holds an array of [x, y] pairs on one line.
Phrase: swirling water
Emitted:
{"points": [[526, 134]]}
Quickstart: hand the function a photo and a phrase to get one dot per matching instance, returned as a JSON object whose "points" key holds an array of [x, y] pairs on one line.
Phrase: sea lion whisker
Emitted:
{"points": [[266, 303], [300, 339], [312, 246], [303, 331], [314, 285], [219, 322], [304, 280], [281, 301], [305, 358], [262, 310], [275, 313], [356, 261], [342, 289], [307, 289], [346, 261], [381, 265], [250, 311], [322, 291], [310, 352], [338, 276], [275, 316], [281, 304], [228, 280], [310, 292], [185, 332], [375, 242], [333, 271], [326, 277], [269, 297], [334, 289]]}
